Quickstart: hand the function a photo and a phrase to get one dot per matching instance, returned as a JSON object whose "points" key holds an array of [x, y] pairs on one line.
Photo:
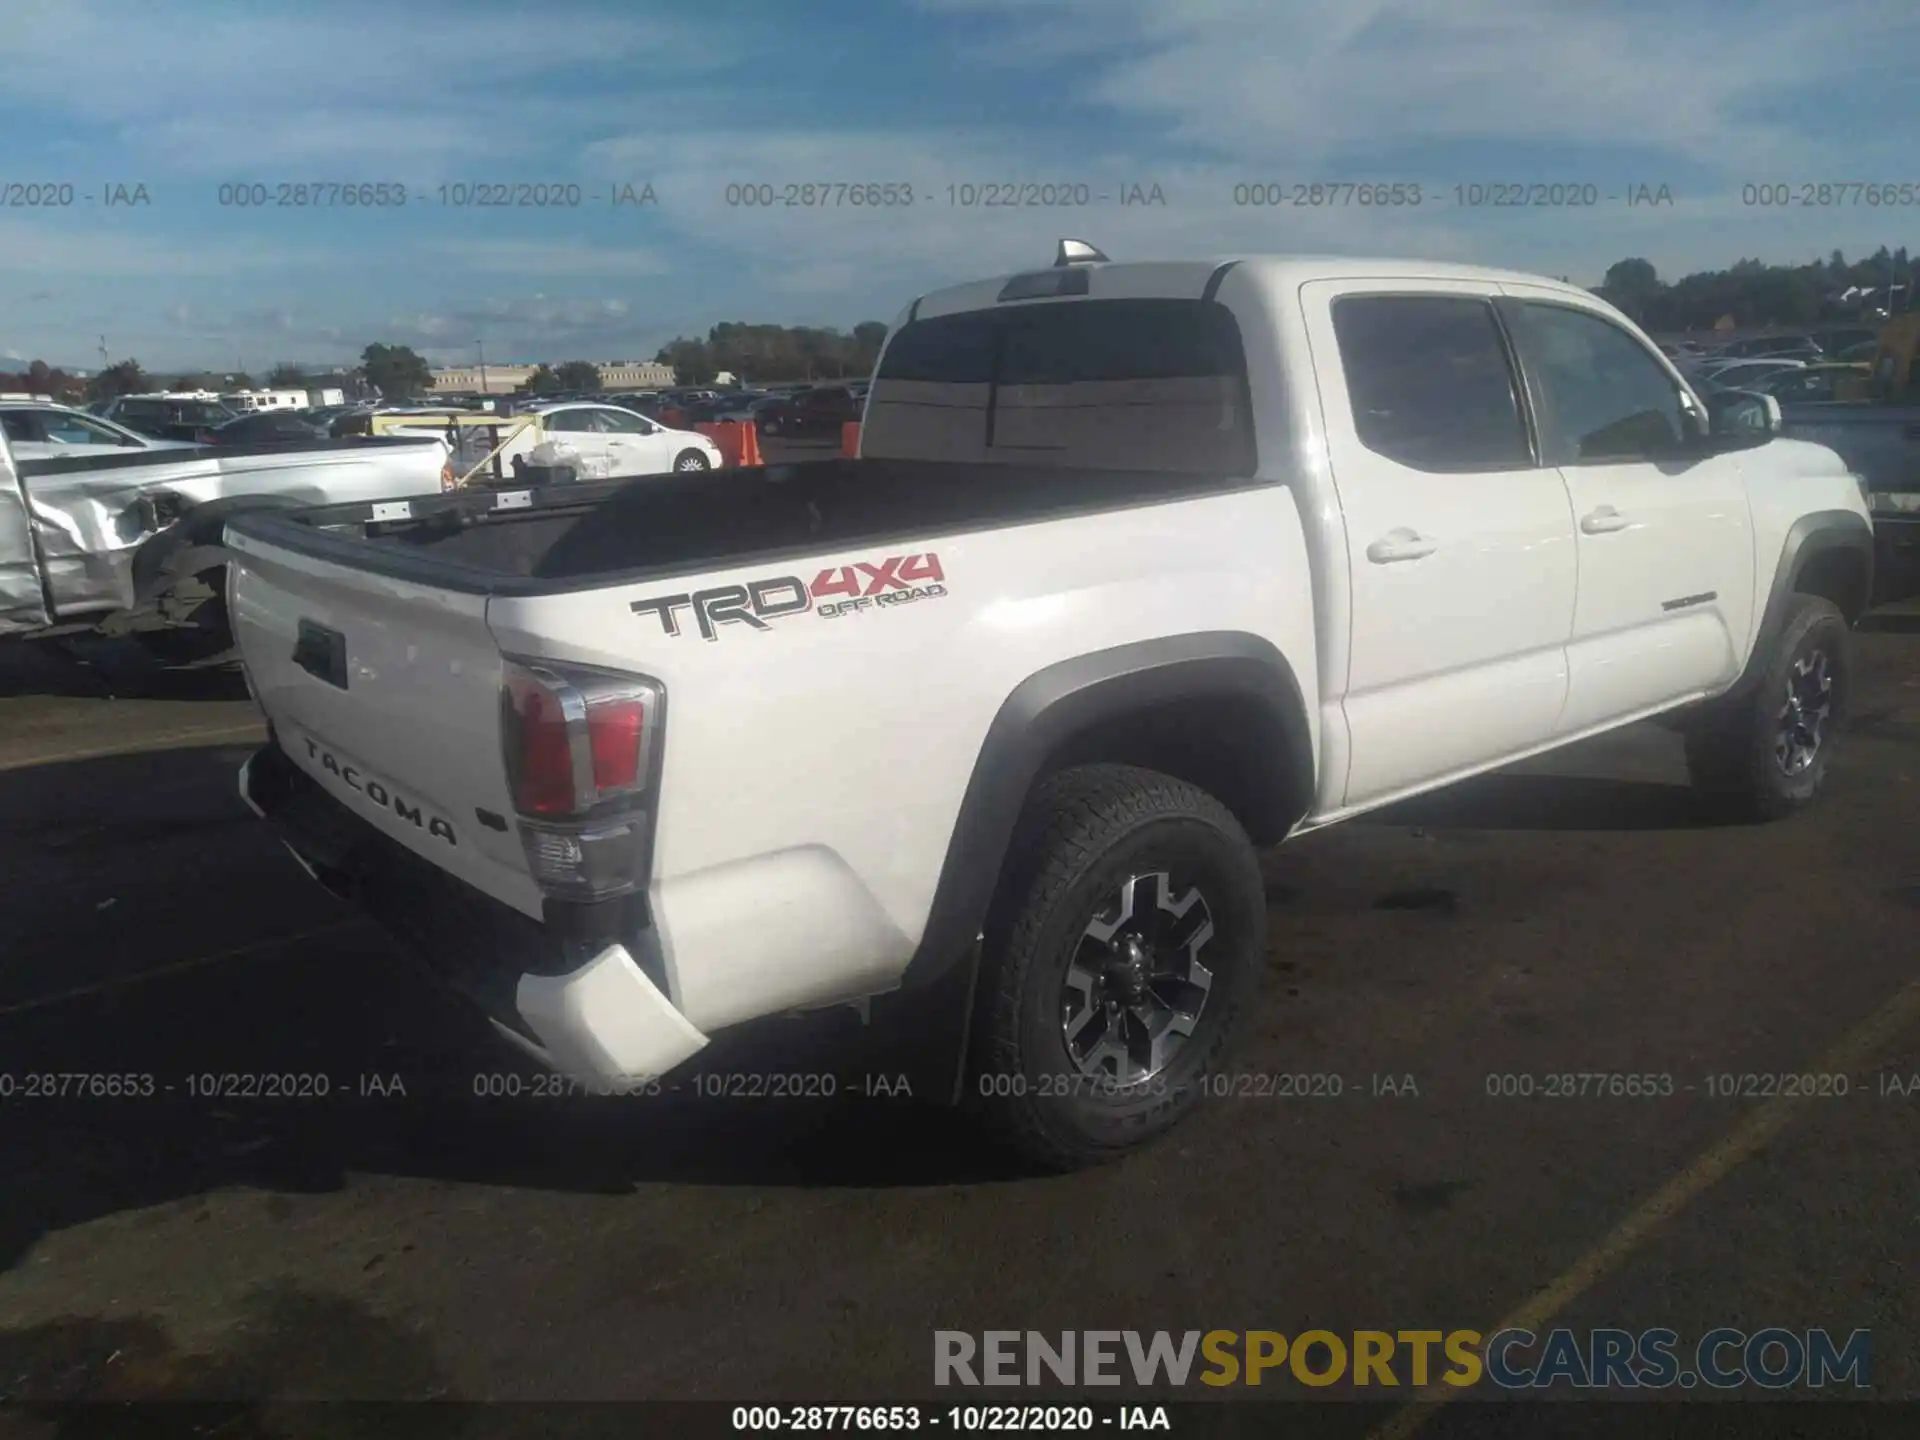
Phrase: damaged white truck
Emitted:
{"points": [[129, 544], [1140, 566]]}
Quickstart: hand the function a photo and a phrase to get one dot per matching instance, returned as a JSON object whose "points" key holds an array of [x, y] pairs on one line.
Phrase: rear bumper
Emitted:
{"points": [[581, 1002]]}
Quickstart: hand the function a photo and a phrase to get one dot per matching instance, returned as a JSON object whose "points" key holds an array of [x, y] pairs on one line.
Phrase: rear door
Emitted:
{"points": [[575, 427], [1665, 536], [636, 447], [1460, 549]]}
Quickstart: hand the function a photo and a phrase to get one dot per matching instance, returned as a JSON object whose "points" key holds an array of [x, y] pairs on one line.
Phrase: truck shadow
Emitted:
{"points": [[92, 667], [1506, 801], [163, 936]]}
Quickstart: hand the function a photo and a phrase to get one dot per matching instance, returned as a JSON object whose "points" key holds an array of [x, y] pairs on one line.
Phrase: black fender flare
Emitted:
{"points": [[1047, 710], [196, 541], [1812, 535]]}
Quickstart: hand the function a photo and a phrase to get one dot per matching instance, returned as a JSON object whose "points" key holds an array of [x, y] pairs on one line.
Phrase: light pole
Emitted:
{"points": [[480, 350]]}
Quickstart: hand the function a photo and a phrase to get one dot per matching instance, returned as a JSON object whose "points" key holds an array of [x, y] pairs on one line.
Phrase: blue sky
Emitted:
{"points": [[1196, 96]]}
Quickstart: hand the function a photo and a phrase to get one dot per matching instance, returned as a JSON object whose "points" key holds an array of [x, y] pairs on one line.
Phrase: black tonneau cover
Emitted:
{"points": [[576, 536]]}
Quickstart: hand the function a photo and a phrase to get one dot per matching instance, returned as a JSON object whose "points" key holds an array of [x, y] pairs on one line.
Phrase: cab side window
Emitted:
{"points": [[1604, 398], [1431, 383]]}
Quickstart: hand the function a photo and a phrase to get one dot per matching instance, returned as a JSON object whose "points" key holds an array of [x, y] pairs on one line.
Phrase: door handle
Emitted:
{"points": [[1398, 545], [1603, 521]]}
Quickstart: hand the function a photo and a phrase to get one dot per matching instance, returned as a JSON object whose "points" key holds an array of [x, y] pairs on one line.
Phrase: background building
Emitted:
{"points": [[465, 379], [635, 374], [505, 379]]}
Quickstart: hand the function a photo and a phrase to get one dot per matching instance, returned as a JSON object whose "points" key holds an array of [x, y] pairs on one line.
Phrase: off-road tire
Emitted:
{"points": [[1083, 833], [1733, 757]]}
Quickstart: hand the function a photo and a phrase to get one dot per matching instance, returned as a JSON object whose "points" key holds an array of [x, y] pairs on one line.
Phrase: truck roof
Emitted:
{"points": [[1187, 279]]}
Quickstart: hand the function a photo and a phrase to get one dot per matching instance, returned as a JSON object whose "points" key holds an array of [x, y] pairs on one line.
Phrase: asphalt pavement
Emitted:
{"points": [[394, 1229]]}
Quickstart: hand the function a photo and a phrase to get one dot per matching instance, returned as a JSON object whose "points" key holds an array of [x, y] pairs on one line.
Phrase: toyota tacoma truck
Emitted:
{"points": [[1140, 566]]}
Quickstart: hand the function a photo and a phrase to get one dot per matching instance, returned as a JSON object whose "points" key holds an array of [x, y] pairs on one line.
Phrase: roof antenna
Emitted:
{"points": [[1077, 252]]}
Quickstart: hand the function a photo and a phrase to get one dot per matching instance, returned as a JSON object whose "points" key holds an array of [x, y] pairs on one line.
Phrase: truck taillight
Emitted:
{"points": [[580, 745]]}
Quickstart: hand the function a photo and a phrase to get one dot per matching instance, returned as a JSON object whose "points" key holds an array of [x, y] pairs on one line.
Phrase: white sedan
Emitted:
{"points": [[613, 441], [37, 430]]}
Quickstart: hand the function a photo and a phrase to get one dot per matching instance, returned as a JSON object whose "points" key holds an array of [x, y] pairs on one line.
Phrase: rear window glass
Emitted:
{"points": [[1115, 384]]}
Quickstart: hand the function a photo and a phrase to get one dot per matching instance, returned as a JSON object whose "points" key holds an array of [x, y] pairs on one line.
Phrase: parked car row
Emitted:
{"points": [[1846, 342], [194, 419]]}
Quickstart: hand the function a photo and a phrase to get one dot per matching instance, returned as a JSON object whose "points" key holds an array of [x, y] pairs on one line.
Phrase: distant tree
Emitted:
{"points": [[285, 376], [124, 378], [1634, 286], [692, 362], [40, 378], [868, 337], [396, 371], [542, 381], [578, 375]]}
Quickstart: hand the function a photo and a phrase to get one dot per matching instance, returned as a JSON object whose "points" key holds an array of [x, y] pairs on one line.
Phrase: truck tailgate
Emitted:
{"points": [[388, 694]]}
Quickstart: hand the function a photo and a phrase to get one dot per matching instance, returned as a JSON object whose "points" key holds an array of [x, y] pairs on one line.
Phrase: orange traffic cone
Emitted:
{"points": [[749, 443], [850, 438]]}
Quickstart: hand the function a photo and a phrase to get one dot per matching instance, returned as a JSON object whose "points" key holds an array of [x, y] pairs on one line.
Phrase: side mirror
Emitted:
{"points": [[1742, 419]]}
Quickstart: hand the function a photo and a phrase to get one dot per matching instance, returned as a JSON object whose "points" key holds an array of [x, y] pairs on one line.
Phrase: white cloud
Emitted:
{"points": [[1194, 96], [1295, 82], [356, 88], [38, 249], [549, 258]]}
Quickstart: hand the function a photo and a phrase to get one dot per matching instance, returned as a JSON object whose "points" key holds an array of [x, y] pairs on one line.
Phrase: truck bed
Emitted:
{"points": [[570, 537]]}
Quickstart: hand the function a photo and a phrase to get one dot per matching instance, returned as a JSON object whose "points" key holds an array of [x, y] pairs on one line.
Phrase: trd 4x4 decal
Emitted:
{"points": [[836, 591]]}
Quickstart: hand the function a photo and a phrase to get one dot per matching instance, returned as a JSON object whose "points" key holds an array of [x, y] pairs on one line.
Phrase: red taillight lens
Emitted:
{"points": [[616, 731], [575, 738], [539, 749]]}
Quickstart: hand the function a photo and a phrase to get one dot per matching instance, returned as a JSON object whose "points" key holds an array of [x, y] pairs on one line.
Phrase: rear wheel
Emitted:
{"points": [[691, 460], [1769, 755], [1126, 947]]}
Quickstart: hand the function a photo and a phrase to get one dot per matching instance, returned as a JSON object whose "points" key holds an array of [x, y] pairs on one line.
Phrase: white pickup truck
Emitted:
{"points": [[1141, 566], [128, 542]]}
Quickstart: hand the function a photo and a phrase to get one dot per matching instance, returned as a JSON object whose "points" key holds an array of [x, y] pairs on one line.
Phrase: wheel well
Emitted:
{"points": [[1841, 575], [1232, 746]]}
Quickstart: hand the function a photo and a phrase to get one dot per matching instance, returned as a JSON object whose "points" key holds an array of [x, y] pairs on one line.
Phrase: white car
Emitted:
{"points": [[37, 430], [1139, 567], [617, 441]]}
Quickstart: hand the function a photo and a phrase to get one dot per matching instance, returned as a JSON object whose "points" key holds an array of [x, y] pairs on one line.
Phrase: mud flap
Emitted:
{"points": [[925, 1031]]}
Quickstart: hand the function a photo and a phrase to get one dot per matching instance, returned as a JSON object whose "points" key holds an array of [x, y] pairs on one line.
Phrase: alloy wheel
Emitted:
{"points": [[1135, 985], [1803, 717]]}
